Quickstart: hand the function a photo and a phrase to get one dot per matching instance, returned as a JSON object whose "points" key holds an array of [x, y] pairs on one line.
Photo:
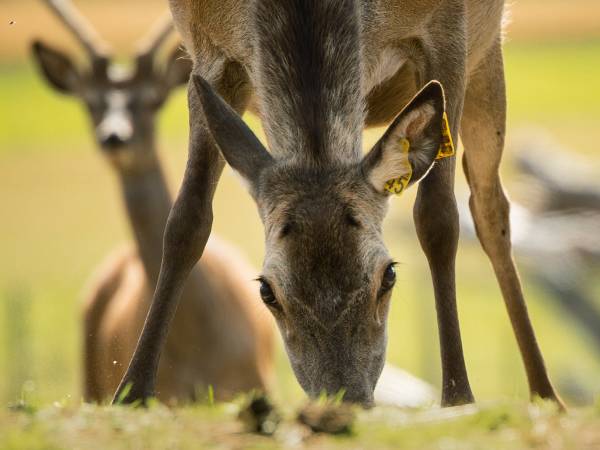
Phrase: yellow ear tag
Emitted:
{"points": [[397, 185], [447, 146]]}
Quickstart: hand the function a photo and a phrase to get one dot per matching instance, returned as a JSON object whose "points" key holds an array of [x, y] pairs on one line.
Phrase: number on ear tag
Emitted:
{"points": [[447, 146], [398, 185]]}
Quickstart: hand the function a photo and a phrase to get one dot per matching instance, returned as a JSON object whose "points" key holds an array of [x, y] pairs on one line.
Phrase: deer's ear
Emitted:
{"points": [[409, 147], [178, 68], [238, 144], [57, 67]]}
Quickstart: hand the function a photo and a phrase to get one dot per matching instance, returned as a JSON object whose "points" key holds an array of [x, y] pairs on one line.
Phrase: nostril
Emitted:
{"points": [[112, 141]]}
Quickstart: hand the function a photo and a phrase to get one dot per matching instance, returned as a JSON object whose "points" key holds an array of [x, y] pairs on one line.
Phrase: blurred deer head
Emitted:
{"points": [[122, 101]]}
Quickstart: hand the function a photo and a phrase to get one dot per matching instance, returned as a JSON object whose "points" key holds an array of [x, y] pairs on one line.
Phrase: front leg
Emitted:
{"points": [[436, 220], [436, 213], [187, 231]]}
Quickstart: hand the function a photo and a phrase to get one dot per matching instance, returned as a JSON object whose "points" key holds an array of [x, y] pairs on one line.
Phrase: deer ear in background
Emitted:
{"points": [[178, 68], [57, 67]]}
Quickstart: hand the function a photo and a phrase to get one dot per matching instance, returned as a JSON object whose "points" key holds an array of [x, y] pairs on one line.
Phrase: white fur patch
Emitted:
{"points": [[394, 164]]}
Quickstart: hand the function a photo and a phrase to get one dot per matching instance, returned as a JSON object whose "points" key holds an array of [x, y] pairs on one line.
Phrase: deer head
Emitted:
{"points": [[122, 102], [327, 275]]}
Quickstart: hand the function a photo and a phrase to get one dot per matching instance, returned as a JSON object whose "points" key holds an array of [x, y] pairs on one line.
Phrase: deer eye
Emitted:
{"points": [[266, 293], [286, 229], [389, 278], [352, 220]]}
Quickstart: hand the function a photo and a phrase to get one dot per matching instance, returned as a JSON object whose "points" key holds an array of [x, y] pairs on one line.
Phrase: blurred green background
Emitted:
{"points": [[60, 211]]}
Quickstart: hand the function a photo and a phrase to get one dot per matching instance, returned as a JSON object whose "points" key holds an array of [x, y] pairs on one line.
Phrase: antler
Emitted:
{"points": [[157, 35], [80, 28]]}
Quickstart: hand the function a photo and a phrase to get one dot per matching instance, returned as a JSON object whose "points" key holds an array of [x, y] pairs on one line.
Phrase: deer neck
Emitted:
{"points": [[148, 203], [314, 52]]}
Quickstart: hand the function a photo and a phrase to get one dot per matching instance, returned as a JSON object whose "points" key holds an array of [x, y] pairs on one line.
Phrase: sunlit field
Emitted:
{"points": [[61, 214]]}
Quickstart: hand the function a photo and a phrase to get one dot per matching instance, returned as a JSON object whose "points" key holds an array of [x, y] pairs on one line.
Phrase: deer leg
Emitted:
{"points": [[187, 231], [436, 220], [482, 132]]}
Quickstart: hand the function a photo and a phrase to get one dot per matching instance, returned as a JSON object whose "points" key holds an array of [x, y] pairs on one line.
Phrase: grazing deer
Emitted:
{"points": [[221, 335], [317, 72]]}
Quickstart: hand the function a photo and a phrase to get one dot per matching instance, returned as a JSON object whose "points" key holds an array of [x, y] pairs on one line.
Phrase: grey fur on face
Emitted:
{"points": [[325, 260]]}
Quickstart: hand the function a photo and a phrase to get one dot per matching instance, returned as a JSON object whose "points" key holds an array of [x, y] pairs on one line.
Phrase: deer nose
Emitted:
{"points": [[356, 395], [361, 397], [115, 131], [112, 141], [355, 390]]}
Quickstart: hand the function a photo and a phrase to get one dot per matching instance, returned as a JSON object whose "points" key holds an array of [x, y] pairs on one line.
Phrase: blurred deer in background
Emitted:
{"points": [[222, 334], [317, 72]]}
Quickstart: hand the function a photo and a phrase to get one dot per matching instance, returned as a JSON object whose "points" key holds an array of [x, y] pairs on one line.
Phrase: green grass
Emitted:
{"points": [[61, 214], [555, 86], [557, 80], [505, 426]]}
